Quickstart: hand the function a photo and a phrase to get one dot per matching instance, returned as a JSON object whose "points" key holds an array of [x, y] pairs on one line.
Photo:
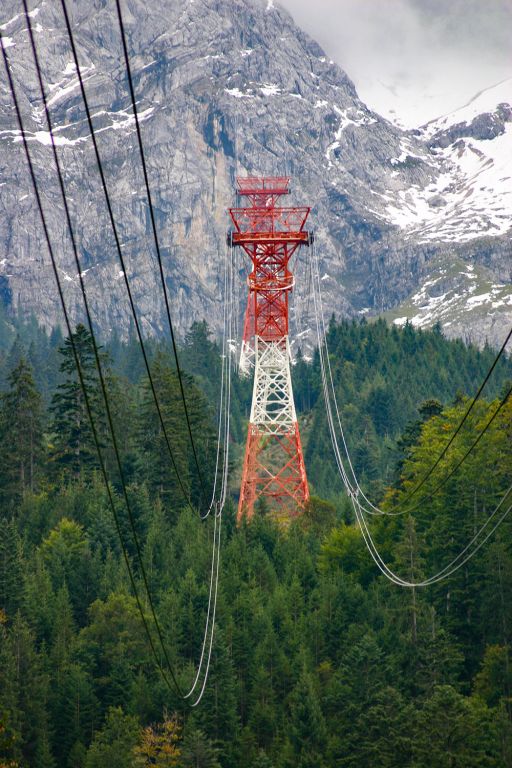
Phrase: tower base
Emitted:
{"points": [[265, 476], [274, 463]]}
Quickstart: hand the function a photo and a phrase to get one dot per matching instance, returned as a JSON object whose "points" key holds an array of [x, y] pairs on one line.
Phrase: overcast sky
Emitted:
{"points": [[422, 58]]}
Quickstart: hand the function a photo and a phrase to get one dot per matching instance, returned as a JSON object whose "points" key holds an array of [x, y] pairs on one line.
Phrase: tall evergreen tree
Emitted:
{"points": [[21, 430], [113, 745], [11, 568], [155, 465], [74, 450]]}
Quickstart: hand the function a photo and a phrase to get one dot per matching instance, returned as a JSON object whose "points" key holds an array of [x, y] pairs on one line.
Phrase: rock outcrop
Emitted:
{"points": [[224, 87]]}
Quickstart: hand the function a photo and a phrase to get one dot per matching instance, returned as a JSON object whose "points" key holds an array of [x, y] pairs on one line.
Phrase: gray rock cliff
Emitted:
{"points": [[223, 87]]}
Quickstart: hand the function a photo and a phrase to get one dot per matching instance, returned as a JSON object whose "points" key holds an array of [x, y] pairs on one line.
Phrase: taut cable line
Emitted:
{"points": [[354, 491], [224, 421], [327, 379], [174, 685], [121, 257], [454, 565], [157, 247]]}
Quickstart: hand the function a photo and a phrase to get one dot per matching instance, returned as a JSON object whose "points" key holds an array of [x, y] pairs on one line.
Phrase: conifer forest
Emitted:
{"points": [[318, 660]]}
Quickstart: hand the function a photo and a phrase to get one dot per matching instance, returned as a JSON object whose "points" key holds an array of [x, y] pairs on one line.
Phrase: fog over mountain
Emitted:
{"points": [[413, 60]]}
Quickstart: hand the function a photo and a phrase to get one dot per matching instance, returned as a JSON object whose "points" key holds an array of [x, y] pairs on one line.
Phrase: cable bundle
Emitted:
{"points": [[361, 504], [216, 504]]}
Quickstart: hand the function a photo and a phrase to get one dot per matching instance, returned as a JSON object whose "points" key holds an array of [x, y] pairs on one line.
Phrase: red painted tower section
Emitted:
{"points": [[270, 235]]}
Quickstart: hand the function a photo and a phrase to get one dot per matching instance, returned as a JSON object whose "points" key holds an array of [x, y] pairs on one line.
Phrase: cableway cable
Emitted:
{"points": [[215, 556], [354, 491], [157, 247], [221, 401], [214, 575], [325, 364], [94, 342], [121, 257], [461, 559], [461, 423], [224, 424], [174, 685], [223, 499]]}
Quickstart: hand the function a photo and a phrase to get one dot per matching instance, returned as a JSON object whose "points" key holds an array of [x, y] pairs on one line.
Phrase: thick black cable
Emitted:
{"points": [[461, 424], [157, 245], [120, 255], [95, 345], [77, 361]]}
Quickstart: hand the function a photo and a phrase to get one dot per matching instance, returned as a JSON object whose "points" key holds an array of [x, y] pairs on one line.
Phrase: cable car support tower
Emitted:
{"points": [[270, 235]]}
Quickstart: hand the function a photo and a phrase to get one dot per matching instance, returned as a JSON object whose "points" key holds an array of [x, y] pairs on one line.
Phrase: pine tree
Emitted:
{"points": [[458, 731], [11, 714], [11, 568], [198, 751], [21, 433], [31, 684], [74, 450], [307, 726], [155, 466], [113, 745]]}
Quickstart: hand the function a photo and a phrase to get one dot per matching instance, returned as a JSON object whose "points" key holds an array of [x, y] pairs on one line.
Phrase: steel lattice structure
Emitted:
{"points": [[270, 235]]}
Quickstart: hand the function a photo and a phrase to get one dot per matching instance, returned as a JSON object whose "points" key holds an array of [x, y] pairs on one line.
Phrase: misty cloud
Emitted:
{"points": [[443, 51]]}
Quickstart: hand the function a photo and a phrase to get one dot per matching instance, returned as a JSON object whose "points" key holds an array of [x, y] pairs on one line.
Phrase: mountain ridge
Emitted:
{"points": [[223, 88]]}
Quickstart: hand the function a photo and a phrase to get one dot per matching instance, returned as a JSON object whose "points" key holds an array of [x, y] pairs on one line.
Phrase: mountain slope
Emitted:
{"points": [[224, 88], [472, 193]]}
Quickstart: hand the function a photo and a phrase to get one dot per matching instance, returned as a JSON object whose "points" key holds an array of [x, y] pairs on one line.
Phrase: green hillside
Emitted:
{"points": [[318, 661]]}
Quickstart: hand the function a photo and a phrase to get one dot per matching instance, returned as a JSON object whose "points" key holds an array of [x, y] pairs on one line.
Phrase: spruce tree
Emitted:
{"points": [[198, 751], [113, 745], [74, 450], [21, 431], [11, 568]]}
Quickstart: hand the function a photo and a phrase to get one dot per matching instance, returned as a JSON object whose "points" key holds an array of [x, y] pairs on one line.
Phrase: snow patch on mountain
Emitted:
{"points": [[484, 102], [463, 299], [470, 192], [471, 197]]}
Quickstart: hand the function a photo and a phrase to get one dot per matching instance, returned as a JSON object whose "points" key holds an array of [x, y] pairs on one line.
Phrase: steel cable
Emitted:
{"points": [[354, 491], [174, 685], [157, 246], [372, 508], [98, 364], [121, 257], [224, 418], [449, 569]]}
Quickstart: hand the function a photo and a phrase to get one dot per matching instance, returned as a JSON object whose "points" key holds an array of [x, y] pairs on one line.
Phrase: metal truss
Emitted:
{"points": [[273, 410], [270, 235]]}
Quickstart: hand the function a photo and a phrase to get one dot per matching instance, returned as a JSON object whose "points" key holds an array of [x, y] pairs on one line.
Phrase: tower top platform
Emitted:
{"points": [[263, 185]]}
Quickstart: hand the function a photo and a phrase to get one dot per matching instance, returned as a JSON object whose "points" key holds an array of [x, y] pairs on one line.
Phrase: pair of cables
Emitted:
{"points": [[167, 673], [326, 368], [360, 502], [224, 419]]}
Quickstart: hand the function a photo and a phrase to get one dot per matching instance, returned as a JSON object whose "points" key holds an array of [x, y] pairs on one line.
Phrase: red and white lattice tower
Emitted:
{"points": [[270, 235]]}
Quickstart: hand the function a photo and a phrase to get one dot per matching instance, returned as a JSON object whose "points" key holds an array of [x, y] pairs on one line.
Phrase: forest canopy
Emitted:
{"points": [[317, 660]]}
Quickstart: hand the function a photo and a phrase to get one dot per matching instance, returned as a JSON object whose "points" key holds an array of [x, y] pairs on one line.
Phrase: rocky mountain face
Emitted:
{"points": [[229, 87]]}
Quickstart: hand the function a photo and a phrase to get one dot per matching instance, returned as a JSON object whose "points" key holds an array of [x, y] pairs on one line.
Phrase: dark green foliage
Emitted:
{"points": [[154, 465], [73, 449], [317, 660], [113, 745], [198, 751], [383, 376], [21, 433], [11, 567]]}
